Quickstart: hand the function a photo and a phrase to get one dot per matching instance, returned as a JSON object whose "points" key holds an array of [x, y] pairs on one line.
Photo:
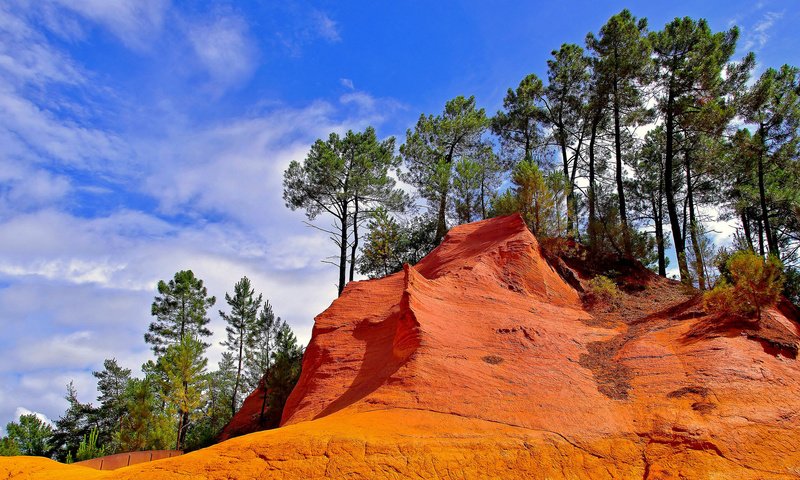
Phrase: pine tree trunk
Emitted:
{"points": [[180, 429], [354, 247], [264, 399], [658, 214], [623, 214], [672, 211], [343, 248], [238, 376], [565, 160], [698, 254], [592, 199], [771, 242], [184, 423], [441, 224], [746, 227]]}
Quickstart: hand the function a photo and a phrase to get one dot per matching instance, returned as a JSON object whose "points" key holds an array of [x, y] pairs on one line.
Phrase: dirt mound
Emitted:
{"points": [[482, 361]]}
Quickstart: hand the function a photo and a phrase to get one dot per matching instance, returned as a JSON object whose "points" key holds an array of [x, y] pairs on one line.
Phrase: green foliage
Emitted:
{"points": [[262, 336], [242, 319], [603, 290], [433, 148], [791, 285], [722, 300], [475, 181], [215, 411], [77, 422], [285, 372], [89, 449], [181, 310], [756, 283], [345, 179], [380, 255], [8, 447], [184, 370], [519, 123], [112, 384], [145, 426], [390, 244], [535, 196], [31, 435]]}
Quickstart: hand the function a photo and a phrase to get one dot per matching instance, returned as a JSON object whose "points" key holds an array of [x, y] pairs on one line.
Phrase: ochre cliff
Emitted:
{"points": [[481, 361]]}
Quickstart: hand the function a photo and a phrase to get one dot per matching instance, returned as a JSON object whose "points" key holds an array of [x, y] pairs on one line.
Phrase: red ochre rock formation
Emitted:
{"points": [[248, 418], [481, 362]]}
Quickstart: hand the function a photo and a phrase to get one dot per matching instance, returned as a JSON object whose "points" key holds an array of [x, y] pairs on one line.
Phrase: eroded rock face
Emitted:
{"points": [[481, 361]]}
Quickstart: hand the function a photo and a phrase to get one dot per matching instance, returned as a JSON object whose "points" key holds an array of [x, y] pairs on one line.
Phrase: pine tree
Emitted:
{"points": [[648, 191], [519, 123], [260, 358], [434, 147], [181, 310], [565, 96], [392, 243], [773, 106], [112, 383], [146, 426], [623, 57], [689, 61], [184, 367], [77, 421], [287, 364], [375, 188], [382, 251], [31, 435], [242, 319], [344, 177], [532, 197]]}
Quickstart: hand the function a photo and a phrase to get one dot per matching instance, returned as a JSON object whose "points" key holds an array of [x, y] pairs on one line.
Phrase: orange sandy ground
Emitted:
{"points": [[482, 362]]}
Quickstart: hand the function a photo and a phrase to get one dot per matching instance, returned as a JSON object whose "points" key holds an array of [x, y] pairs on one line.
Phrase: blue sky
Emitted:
{"points": [[142, 137]]}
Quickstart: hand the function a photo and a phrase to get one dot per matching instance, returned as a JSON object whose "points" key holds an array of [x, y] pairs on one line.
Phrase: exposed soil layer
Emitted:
{"points": [[483, 360]]}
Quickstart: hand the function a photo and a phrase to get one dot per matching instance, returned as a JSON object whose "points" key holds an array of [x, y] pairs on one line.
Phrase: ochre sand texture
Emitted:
{"points": [[482, 362]]}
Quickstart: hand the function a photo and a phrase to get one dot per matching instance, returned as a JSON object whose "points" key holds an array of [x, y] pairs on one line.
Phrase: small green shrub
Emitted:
{"points": [[88, 448], [8, 447], [602, 289], [756, 284], [722, 299]]}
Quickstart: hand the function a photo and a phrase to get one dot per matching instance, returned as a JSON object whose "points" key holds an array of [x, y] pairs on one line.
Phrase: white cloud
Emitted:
{"points": [[135, 22], [29, 128], [76, 284], [25, 55], [756, 37], [224, 48], [26, 188], [325, 26], [20, 411]]}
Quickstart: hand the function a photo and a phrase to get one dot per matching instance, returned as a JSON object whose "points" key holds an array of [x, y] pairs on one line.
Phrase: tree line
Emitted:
{"points": [[177, 403], [637, 142]]}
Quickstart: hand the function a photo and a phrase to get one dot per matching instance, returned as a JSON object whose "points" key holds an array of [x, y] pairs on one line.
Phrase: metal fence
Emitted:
{"points": [[112, 462]]}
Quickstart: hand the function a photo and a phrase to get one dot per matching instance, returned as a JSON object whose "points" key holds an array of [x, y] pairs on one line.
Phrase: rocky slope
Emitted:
{"points": [[481, 361]]}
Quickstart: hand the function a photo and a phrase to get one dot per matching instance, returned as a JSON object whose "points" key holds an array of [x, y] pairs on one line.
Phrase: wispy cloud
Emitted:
{"points": [[78, 286], [224, 48], [347, 83], [757, 36], [135, 22], [325, 26]]}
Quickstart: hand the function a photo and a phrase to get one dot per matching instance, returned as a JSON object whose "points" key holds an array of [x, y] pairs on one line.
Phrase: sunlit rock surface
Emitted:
{"points": [[481, 361]]}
